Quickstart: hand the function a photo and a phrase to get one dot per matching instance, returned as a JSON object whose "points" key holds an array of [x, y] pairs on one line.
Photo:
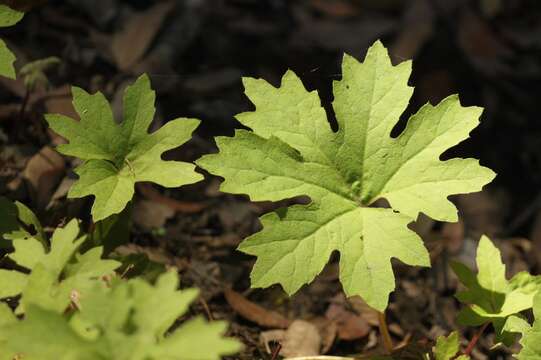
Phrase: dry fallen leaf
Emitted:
{"points": [[483, 46], [350, 325], [151, 215], [254, 312], [132, 42], [150, 193], [43, 172], [483, 212], [336, 8], [365, 311], [327, 330], [301, 339], [417, 28], [59, 101], [535, 236]]}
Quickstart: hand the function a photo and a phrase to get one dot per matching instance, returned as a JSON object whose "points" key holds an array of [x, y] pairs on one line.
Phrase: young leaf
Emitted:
{"points": [[127, 321], [6, 318], [531, 337], [118, 156], [447, 347], [34, 73], [13, 215], [8, 17], [56, 272], [292, 151], [490, 296]]}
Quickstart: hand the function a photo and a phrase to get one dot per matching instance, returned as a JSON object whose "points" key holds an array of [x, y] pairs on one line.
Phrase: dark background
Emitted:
{"points": [[196, 51]]}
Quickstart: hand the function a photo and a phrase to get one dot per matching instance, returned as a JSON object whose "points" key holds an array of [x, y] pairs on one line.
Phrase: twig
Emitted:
{"points": [[206, 308], [474, 340], [24, 104], [384, 331], [276, 351]]}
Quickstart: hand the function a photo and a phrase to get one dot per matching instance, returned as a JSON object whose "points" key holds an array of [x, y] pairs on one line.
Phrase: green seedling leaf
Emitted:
{"points": [[128, 320], [447, 347], [6, 318], [34, 73], [490, 296], [531, 336], [18, 221], [117, 156], [292, 151], [8, 17], [57, 272]]}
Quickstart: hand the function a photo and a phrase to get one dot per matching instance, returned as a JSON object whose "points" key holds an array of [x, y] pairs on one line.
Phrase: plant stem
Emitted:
{"points": [[24, 103], [384, 332], [474, 340]]}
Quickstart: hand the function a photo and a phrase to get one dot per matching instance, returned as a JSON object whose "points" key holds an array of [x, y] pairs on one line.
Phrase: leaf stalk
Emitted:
{"points": [[475, 339], [384, 332]]}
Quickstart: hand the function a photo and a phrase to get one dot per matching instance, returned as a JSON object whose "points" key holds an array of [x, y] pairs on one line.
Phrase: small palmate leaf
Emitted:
{"points": [[117, 156], [6, 318], [447, 347], [128, 320], [56, 271], [292, 151], [490, 296], [8, 17], [16, 221], [531, 337]]}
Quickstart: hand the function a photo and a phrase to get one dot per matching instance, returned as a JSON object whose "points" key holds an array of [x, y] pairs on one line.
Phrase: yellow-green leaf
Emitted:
{"points": [[292, 151], [117, 156]]}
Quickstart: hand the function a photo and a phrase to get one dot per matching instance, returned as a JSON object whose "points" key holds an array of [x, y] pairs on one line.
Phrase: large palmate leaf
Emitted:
{"points": [[292, 151], [531, 336], [127, 320], [8, 17], [117, 156], [490, 296], [57, 272]]}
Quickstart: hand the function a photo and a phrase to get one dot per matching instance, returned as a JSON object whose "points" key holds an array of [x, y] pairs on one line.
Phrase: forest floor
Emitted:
{"points": [[195, 53]]}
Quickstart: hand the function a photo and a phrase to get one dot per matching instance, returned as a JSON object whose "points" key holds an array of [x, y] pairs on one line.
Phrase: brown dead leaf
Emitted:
{"points": [[43, 172], [365, 311], [132, 42], [23, 5], [435, 85], [151, 215], [482, 44], [535, 236], [350, 325], [301, 339], [15, 87], [327, 330], [254, 312], [336, 8], [186, 207], [483, 212], [477, 38], [417, 27], [59, 101], [9, 111], [266, 337], [453, 235]]}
